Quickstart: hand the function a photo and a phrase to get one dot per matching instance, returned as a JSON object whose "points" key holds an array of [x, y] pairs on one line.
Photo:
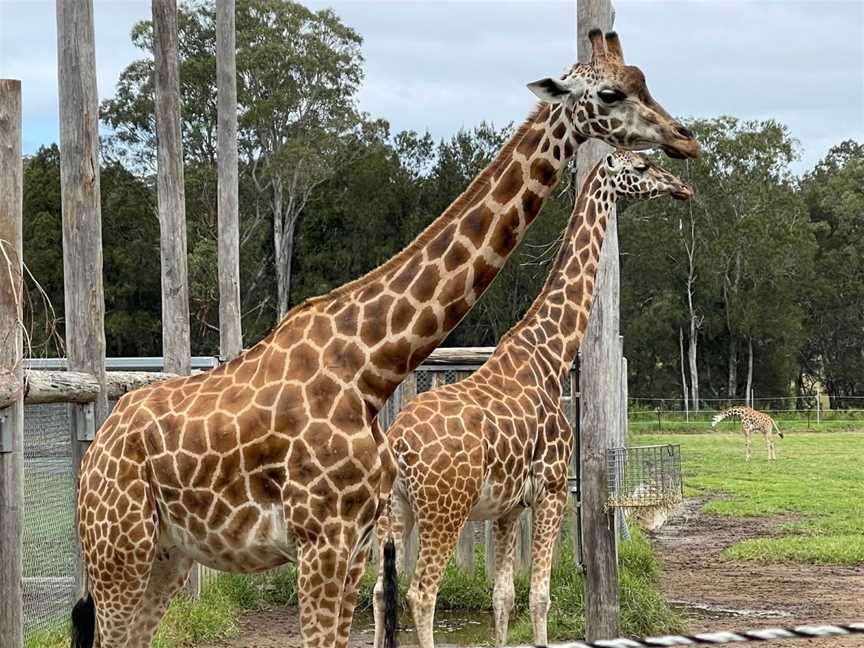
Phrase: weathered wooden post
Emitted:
{"points": [[230, 329], [170, 190], [12, 367], [600, 387], [407, 392], [82, 220], [171, 196]]}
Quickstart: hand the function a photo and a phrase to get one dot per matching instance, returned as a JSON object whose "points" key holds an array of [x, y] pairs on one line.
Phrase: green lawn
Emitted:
{"points": [[817, 484], [673, 422]]}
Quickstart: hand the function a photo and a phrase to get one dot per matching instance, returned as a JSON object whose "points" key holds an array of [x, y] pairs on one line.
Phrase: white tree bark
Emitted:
{"points": [[750, 371], [683, 374], [695, 321]]}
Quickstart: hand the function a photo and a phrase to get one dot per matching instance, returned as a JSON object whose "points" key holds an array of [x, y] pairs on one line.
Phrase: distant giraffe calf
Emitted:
{"points": [[752, 421]]}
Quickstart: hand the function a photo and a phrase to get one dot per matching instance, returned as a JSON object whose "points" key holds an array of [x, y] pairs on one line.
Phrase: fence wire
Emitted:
{"points": [[48, 516]]}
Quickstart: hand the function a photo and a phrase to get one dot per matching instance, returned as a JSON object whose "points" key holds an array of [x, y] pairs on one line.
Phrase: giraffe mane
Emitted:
{"points": [[478, 187]]}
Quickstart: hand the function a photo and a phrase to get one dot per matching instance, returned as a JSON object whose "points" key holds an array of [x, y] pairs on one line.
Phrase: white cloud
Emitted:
{"points": [[444, 65]]}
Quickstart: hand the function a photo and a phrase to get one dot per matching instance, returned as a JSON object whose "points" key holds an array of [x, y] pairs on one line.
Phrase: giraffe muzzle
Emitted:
{"points": [[682, 193]]}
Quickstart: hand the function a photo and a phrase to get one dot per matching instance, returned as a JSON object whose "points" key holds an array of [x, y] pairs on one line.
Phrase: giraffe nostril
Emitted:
{"points": [[683, 131]]}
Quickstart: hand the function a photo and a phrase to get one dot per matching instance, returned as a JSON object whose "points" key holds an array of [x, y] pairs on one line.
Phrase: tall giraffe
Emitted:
{"points": [[276, 456], [752, 421], [498, 442]]}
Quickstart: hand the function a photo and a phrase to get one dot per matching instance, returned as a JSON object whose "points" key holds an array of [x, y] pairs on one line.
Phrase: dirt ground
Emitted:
{"points": [[743, 595], [713, 593]]}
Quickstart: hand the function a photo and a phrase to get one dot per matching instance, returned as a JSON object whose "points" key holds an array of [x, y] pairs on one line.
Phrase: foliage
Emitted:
{"points": [[812, 487], [130, 241], [834, 194], [754, 252], [777, 262]]}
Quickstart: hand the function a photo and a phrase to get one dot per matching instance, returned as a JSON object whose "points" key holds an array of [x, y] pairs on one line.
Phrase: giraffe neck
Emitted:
{"points": [[400, 312], [552, 329]]}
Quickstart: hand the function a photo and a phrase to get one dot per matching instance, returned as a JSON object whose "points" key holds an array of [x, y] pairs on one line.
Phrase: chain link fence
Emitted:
{"points": [[48, 516], [798, 412]]}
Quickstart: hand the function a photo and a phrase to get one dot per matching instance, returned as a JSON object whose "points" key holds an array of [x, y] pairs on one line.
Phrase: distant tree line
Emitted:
{"points": [[756, 284]]}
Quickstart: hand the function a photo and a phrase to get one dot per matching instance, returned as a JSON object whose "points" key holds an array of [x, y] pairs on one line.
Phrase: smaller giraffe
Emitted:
{"points": [[498, 442], [752, 421]]}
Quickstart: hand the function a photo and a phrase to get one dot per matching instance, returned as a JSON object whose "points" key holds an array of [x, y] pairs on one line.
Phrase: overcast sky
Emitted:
{"points": [[442, 65]]}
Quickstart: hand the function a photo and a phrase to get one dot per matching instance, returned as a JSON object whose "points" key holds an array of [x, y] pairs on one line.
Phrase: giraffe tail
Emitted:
{"points": [[84, 622], [391, 595], [779, 433]]}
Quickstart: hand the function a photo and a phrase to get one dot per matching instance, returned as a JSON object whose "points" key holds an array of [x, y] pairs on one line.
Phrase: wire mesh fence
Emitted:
{"points": [[645, 476], [48, 516], [800, 412]]}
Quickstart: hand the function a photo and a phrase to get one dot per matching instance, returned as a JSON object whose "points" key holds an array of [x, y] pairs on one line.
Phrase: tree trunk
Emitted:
{"points": [[230, 321], [749, 371], [732, 386], [600, 389], [683, 373], [694, 370], [283, 241], [176, 344]]}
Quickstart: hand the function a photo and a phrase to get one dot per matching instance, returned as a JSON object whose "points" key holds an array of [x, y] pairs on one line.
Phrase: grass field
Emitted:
{"points": [[815, 487]]}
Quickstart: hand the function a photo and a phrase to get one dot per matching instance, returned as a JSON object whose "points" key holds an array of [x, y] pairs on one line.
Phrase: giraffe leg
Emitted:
{"points": [[323, 572], [349, 597], [548, 511], [504, 593], [436, 546], [770, 442], [749, 440], [119, 554], [398, 522], [169, 573]]}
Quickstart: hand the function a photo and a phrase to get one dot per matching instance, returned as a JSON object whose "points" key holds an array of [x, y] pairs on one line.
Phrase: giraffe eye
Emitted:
{"points": [[611, 95], [641, 168]]}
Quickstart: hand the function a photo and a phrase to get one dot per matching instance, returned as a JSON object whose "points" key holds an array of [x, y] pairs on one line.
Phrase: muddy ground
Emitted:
{"points": [[713, 593], [743, 595]]}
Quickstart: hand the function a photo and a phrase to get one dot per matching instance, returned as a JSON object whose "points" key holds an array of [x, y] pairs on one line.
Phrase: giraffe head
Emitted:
{"points": [[609, 100], [634, 176]]}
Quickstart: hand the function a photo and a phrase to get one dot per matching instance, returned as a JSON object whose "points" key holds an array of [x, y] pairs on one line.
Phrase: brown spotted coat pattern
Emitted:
{"points": [[499, 442]]}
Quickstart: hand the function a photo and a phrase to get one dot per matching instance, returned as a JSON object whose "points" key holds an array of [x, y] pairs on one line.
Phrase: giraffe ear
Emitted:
{"points": [[549, 90], [610, 162]]}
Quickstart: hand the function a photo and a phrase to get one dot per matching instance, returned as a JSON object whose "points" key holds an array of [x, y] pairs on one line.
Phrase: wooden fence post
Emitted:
{"points": [[170, 190], [230, 326], [407, 392], [465, 543], [84, 299], [600, 388], [576, 467], [11, 362], [171, 195]]}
